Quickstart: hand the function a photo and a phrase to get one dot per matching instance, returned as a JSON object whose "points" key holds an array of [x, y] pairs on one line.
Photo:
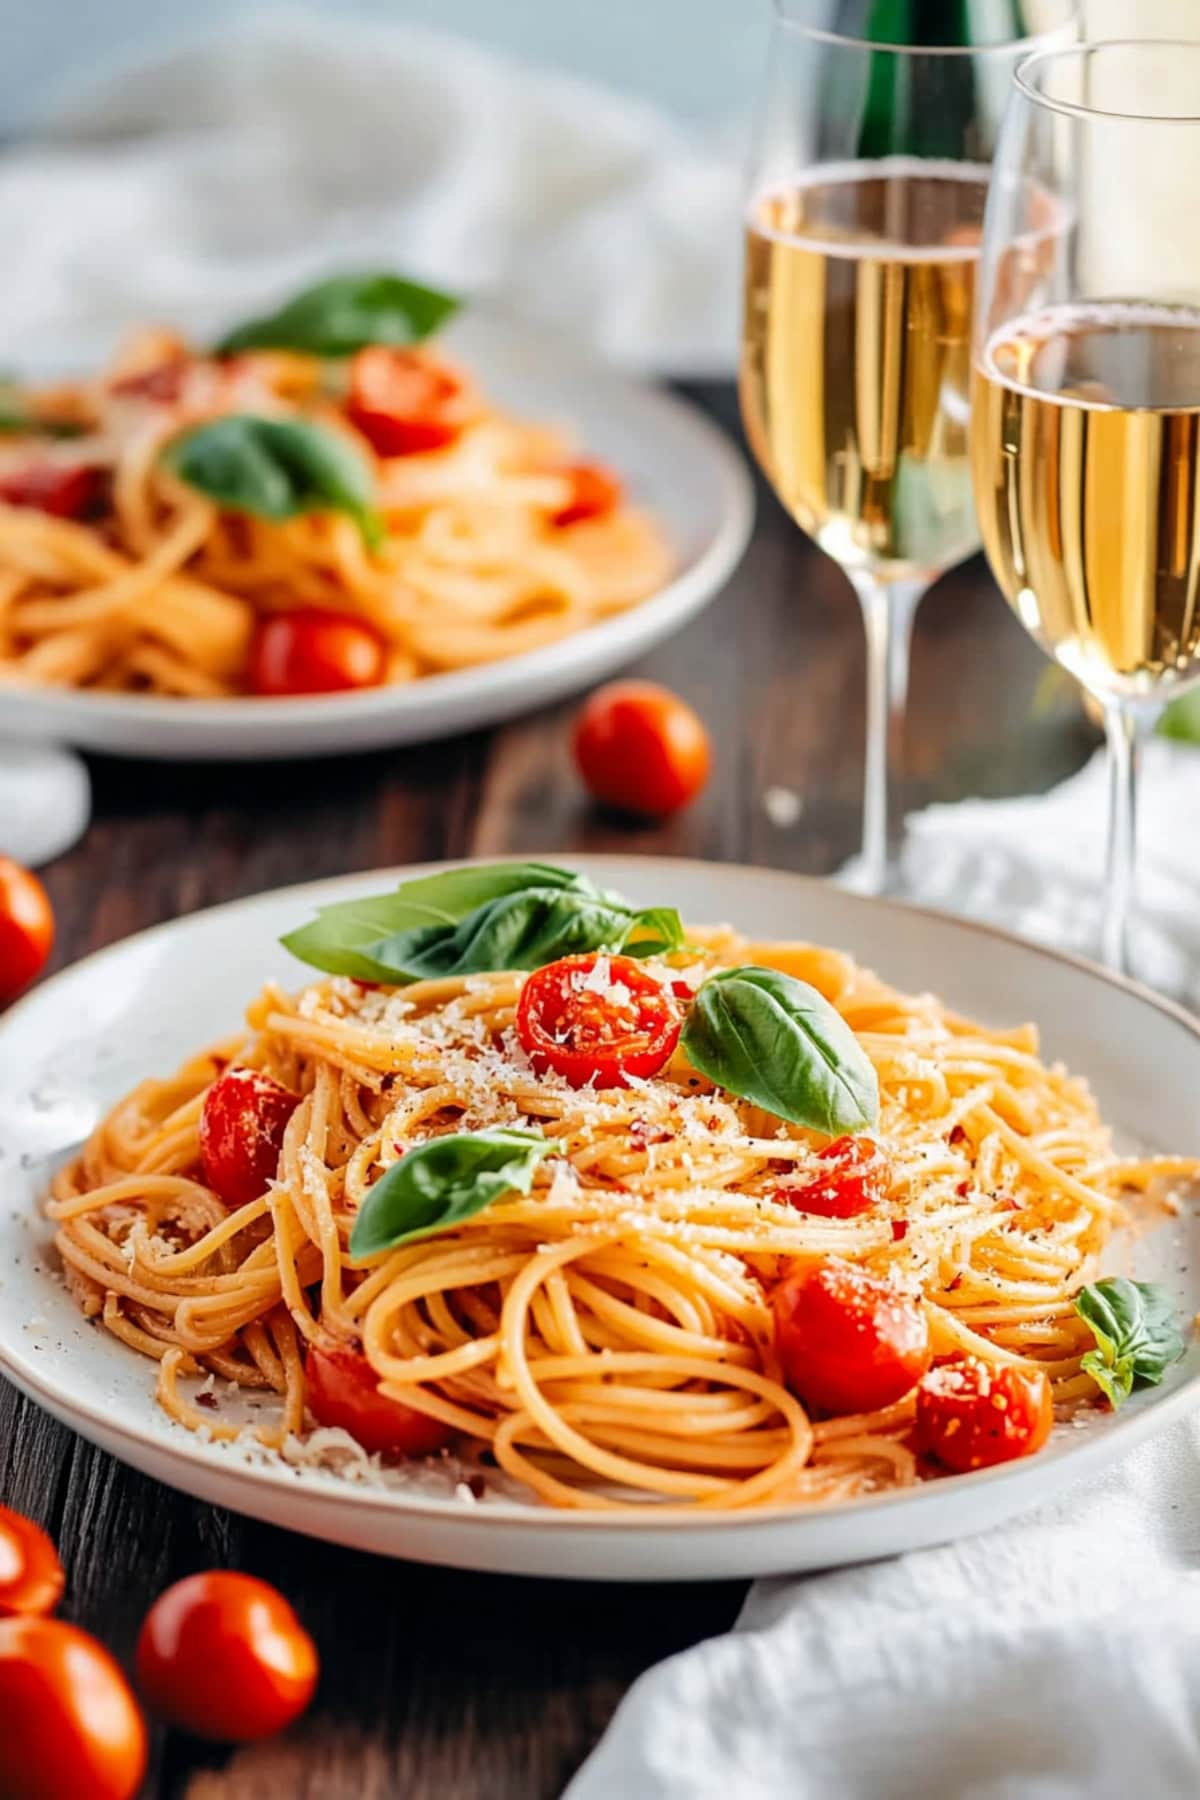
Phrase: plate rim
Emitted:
{"points": [[1121, 1436]]}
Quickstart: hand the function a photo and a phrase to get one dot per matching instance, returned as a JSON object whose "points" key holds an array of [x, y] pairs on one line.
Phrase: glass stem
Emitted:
{"points": [[888, 610], [1126, 728]]}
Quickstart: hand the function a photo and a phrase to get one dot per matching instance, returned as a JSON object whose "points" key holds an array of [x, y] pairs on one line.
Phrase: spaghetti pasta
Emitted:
{"points": [[115, 574], [607, 1337]]}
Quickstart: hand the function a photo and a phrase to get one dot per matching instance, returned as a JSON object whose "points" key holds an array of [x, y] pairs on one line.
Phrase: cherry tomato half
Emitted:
{"points": [[972, 1414], [848, 1342], [31, 1576], [342, 1388], [314, 652], [641, 748], [595, 491], [224, 1656], [597, 1018], [856, 1179], [406, 401], [242, 1123], [68, 491], [26, 928], [69, 1726]]}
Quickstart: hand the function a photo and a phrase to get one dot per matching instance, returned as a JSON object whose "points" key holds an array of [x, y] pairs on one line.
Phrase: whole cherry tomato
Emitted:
{"points": [[223, 1655], [848, 1342], [595, 491], [26, 928], [342, 1389], [972, 1414], [857, 1178], [641, 748], [65, 490], [597, 1018], [314, 652], [404, 401], [31, 1576], [242, 1123], [69, 1727]]}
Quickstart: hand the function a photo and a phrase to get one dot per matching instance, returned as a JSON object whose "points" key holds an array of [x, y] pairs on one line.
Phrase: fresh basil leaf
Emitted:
{"points": [[477, 920], [345, 314], [333, 941], [774, 1040], [276, 469], [1136, 1331], [519, 930], [455, 892], [438, 1184]]}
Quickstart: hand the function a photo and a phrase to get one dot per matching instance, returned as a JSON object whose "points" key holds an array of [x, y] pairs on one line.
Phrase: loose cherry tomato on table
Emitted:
{"points": [[242, 1122], [342, 1389], [26, 928], [65, 490], [641, 748], [31, 1576], [597, 1018], [223, 1655], [407, 401], [848, 1342], [69, 1727], [594, 492], [856, 1179], [972, 1414], [311, 651]]}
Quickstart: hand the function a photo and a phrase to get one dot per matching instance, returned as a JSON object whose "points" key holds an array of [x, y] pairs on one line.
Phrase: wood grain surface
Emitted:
{"points": [[439, 1683]]}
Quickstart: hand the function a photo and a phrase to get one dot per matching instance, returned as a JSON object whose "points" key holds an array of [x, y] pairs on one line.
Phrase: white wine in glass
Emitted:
{"points": [[1086, 396], [863, 232]]}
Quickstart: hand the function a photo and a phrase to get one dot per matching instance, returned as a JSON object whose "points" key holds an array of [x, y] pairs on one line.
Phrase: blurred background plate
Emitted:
{"points": [[675, 464]]}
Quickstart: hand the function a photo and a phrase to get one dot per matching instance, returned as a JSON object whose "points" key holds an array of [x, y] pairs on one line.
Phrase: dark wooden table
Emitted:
{"points": [[439, 1683]]}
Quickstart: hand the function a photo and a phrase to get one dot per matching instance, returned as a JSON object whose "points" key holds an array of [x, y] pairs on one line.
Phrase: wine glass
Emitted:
{"points": [[863, 227], [1085, 437]]}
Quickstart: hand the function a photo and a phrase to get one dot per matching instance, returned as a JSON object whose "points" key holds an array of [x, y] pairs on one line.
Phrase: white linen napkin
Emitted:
{"points": [[1055, 1658], [212, 179]]}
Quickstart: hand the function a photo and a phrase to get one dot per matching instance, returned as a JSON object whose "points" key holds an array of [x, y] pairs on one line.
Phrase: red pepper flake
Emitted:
{"points": [[899, 1230], [207, 1400], [642, 1133], [957, 1136], [963, 1189]]}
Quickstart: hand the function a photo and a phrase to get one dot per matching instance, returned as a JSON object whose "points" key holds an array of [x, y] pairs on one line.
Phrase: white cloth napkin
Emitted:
{"points": [[1057, 1658], [214, 178]]}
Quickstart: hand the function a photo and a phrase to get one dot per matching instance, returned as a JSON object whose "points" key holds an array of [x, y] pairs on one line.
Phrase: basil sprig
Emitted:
{"points": [[477, 920], [276, 469], [439, 1184], [344, 314], [1136, 1331], [777, 1042]]}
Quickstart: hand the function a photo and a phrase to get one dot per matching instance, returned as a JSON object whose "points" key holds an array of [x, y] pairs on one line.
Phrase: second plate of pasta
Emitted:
{"points": [[126, 613]]}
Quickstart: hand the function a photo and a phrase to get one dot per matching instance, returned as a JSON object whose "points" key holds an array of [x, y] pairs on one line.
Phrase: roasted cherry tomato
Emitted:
{"points": [[641, 748], [224, 1656], [971, 1414], [67, 490], [342, 1388], [406, 400], [856, 1179], [242, 1123], [26, 928], [597, 1018], [848, 1342], [595, 491], [31, 1576], [69, 1727], [314, 652]]}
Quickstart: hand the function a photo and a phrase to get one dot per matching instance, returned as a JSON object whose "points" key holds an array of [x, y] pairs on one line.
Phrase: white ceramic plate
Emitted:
{"points": [[76, 1044], [675, 462]]}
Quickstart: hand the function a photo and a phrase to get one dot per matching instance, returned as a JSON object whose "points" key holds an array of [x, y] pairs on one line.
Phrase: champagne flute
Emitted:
{"points": [[1086, 391], [864, 222]]}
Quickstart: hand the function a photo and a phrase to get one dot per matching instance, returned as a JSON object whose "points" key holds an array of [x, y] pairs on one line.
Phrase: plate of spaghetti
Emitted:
{"points": [[529, 1222], [365, 518]]}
